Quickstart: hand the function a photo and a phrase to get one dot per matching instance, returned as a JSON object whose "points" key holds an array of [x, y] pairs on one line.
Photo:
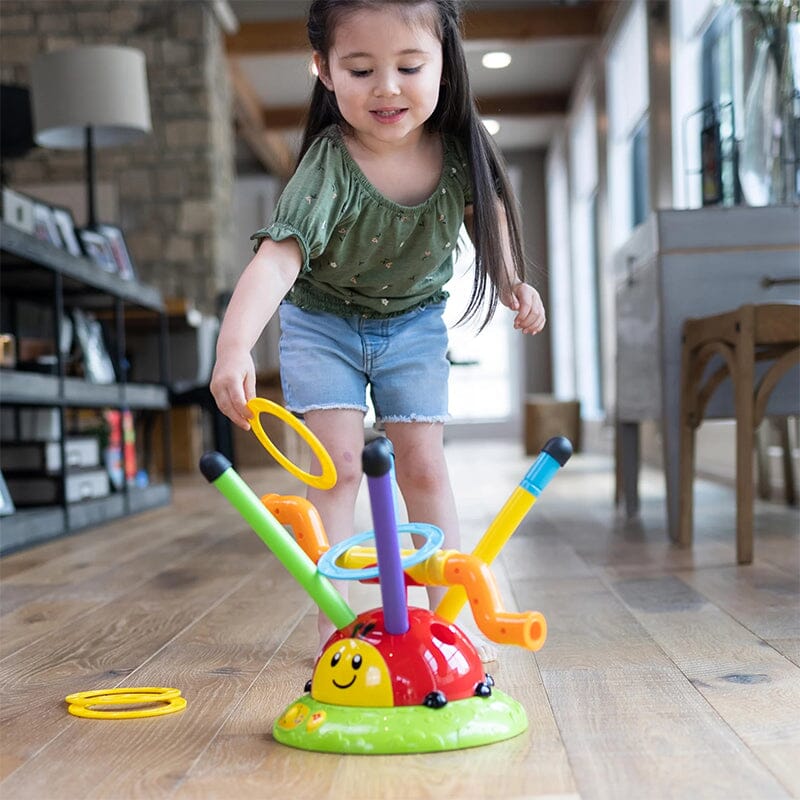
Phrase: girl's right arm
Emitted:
{"points": [[258, 293]]}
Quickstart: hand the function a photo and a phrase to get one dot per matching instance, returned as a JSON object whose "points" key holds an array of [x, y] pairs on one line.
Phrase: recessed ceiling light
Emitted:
{"points": [[496, 60], [491, 125]]}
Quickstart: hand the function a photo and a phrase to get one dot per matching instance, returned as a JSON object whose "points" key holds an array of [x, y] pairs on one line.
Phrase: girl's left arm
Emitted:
{"points": [[518, 296]]}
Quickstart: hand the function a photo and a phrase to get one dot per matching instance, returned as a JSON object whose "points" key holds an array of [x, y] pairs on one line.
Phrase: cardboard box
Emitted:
{"points": [[546, 417], [186, 438]]}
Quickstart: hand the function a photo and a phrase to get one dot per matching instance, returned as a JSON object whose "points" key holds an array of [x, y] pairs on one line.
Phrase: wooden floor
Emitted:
{"points": [[666, 673]]}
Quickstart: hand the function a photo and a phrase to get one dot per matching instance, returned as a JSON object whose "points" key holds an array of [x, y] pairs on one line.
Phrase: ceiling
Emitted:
{"points": [[269, 60]]}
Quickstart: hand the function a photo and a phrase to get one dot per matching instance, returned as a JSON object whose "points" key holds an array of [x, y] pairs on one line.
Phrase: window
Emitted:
{"points": [[640, 178], [628, 102]]}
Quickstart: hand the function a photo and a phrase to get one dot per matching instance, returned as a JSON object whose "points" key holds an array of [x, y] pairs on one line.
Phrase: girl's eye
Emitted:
{"points": [[360, 73], [409, 70]]}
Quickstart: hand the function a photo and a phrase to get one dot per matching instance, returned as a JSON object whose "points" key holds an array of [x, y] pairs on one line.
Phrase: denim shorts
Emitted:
{"points": [[329, 361]]}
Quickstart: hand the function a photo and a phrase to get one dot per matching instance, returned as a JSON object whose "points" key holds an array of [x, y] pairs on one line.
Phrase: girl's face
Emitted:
{"points": [[385, 69]]}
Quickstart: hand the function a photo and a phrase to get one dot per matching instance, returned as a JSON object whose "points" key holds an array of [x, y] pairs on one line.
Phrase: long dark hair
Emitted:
{"points": [[455, 114]]}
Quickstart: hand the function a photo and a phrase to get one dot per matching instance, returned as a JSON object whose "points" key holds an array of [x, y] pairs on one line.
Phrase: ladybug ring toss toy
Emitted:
{"points": [[395, 679]]}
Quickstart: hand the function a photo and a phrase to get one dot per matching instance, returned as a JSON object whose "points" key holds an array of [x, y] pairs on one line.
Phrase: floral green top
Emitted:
{"points": [[363, 253]]}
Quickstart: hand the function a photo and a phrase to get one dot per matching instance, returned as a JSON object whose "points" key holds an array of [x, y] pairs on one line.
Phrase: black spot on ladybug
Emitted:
{"points": [[483, 690], [307, 687], [435, 700]]}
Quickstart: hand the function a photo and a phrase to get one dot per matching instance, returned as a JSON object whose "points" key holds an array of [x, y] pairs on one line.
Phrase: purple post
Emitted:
{"points": [[377, 463]]}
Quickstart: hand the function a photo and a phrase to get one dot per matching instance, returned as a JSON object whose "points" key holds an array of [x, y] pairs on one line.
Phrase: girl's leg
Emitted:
{"points": [[424, 482], [342, 433]]}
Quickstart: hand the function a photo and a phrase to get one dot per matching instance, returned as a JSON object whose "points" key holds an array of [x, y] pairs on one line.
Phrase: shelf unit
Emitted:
{"points": [[35, 272]]}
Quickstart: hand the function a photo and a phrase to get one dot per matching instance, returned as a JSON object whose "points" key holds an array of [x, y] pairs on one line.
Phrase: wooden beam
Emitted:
{"points": [[508, 105], [284, 116], [268, 37], [532, 23], [522, 24], [269, 147], [523, 105]]}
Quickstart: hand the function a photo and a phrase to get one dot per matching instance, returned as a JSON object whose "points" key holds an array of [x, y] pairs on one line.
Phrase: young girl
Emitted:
{"points": [[394, 159]]}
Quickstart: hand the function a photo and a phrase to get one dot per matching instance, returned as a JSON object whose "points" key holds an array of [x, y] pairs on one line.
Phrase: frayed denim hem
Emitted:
{"points": [[413, 418], [299, 412]]}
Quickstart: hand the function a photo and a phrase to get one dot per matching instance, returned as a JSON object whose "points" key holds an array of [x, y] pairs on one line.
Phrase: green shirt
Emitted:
{"points": [[363, 253]]}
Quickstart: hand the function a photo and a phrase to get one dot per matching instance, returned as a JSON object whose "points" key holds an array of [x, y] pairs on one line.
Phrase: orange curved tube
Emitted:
{"points": [[451, 568], [304, 520], [527, 629]]}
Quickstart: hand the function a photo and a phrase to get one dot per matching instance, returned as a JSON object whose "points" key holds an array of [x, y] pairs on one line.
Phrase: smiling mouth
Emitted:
{"points": [[344, 685], [388, 114]]}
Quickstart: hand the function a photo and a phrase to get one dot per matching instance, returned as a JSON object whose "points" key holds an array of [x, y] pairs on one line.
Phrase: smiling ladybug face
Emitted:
{"points": [[351, 672]]}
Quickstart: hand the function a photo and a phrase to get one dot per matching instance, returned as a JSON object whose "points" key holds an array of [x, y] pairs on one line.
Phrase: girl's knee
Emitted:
{"points": [[423, 475], [348, 476]]}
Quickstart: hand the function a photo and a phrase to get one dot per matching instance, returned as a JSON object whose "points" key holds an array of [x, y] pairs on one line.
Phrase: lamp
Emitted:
{"points": [[88, 97]]}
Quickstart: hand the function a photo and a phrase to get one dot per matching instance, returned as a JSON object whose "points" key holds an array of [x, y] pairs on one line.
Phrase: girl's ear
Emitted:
{"points": [[321, 66]]}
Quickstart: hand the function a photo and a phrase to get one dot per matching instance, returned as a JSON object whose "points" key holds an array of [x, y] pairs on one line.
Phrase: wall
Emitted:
{"points": [[172, 190], [537, 363]]}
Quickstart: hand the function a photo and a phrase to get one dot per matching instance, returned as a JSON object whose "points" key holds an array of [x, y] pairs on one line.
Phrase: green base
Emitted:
{"points": [[310, 725]]}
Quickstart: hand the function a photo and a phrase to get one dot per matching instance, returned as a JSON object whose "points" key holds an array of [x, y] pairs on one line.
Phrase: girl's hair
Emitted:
{"points": [[455, 114]]}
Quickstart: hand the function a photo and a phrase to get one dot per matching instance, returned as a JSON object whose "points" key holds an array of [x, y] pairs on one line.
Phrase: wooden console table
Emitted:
{"points": [[682, 264]]}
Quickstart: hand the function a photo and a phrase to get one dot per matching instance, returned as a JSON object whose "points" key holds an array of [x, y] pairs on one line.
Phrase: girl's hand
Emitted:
{"points": [[233, 383], [525, 300]]}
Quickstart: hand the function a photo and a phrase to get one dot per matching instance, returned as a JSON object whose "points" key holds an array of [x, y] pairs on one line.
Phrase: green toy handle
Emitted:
{"points": [[219, 472]]}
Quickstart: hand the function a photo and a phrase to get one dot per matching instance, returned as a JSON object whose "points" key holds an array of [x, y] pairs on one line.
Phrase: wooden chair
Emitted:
{"points": [[751, 333]]}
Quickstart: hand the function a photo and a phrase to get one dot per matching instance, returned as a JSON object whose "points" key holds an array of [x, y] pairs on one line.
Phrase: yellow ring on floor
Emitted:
{"points": [[166, 701], [327, 479], [90, 697]]}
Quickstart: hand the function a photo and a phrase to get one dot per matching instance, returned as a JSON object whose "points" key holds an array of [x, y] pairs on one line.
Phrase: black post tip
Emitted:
{"points": [[213, 464], [560, 448], [376, 457]]}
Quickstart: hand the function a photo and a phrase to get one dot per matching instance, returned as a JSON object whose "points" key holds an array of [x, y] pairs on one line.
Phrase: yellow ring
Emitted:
{"points": [[169, 707], [169, 700], [327, 479], [116, 695]]}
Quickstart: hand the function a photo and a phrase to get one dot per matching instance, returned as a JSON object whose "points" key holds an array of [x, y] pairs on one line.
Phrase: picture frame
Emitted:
{"points": [[18, 210], [44, 225], [97, 364], [122, 258], [711, 160], [98, 249], [66, 228]]}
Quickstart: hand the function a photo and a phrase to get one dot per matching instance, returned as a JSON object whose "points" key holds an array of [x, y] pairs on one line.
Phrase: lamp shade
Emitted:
{"points": [[102, 87]]}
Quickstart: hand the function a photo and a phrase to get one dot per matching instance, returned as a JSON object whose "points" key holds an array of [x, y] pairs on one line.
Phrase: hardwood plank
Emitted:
{"points": [[763, 599], [214, 662], [651, 683], [67, 602], [754, 689], [113, 642], [628, 717], [244, 760]]}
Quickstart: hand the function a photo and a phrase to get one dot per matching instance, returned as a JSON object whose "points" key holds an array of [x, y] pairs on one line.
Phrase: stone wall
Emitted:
{"points": [[174, 188]]}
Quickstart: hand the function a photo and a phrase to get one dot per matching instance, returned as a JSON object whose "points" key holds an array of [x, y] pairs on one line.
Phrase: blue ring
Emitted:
{"points": [[328, 567]]}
